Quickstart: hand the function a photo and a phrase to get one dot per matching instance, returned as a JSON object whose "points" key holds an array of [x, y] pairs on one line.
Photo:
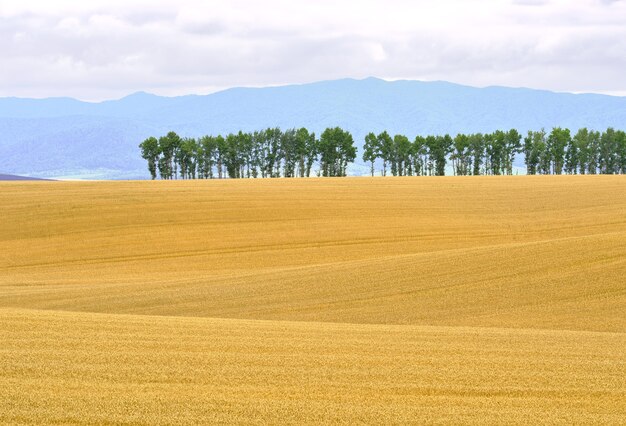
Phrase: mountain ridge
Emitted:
{"points": [[65, 137], [148, 95]]}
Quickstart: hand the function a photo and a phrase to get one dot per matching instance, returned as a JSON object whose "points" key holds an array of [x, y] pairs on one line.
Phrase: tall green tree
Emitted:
{"points": [[186, 157], [438, 148], [337, 149], [347, 151], [273, 152], [496, 151], [580, 143], [460, 155], [246, 150], [607, 151], [221, 153], [371, 150], [150, 152], [290, 153], [594, 151], [545, 154], [260, 153], [385, 146], [558, 141], [513, 146], [207, 152], [168, 145], [175, 142], [534, 151], [571, 157], [431, 146], [531, 155], [312, 152], [303, 147], [477, 152], [420, 155], [402, 146], [620, 143]]}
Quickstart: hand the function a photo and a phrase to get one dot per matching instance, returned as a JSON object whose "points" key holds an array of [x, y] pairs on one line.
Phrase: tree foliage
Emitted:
{"points": [[295, 152], [587, 152], [494, 153], [266, 153]]}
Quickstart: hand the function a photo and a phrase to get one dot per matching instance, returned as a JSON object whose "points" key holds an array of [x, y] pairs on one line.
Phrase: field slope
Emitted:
{"points": [[486, 299]]}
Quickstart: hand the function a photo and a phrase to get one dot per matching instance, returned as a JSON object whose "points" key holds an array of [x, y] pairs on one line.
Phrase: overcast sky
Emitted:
{"points": [[103, 49]]}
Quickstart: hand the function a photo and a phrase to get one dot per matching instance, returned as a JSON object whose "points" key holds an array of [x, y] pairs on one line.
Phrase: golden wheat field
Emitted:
{"points": [[356, 300]]}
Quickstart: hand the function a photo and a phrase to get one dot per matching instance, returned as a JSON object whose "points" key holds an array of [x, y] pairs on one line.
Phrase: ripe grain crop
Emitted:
{"points": [[66, 367], [469, 299]]}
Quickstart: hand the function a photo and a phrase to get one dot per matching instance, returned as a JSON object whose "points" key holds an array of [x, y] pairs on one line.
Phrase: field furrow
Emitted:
{"points": [[495, 300], [91, 368]]}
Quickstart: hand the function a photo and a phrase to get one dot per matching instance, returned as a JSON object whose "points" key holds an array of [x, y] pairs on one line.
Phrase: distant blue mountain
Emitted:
{"points": [[62, 137], [17, 178]]}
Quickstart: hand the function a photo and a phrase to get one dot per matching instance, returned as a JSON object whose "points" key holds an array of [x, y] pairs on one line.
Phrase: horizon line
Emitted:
{"points": [[618, 94]]}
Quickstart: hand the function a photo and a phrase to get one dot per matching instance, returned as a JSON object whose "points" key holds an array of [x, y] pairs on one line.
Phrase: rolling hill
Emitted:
{"points": [[18, 178], [61, 137], [387, 300], [84, 368]]}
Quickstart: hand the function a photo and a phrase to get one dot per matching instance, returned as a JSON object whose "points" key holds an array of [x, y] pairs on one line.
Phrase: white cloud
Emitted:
{"points": [[105, 49]]}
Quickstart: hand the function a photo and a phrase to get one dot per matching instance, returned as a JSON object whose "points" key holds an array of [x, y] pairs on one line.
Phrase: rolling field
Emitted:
{"points": [[427, 300]]}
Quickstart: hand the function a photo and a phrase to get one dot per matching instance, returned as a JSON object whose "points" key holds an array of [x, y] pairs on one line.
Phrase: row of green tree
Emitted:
{"points": [[557, 152], [428, 155], [586, 152], [294, 152], [265, 153]]}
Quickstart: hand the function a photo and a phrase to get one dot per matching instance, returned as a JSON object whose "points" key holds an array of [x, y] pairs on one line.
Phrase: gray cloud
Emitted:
{"points": [[97, 50]]}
